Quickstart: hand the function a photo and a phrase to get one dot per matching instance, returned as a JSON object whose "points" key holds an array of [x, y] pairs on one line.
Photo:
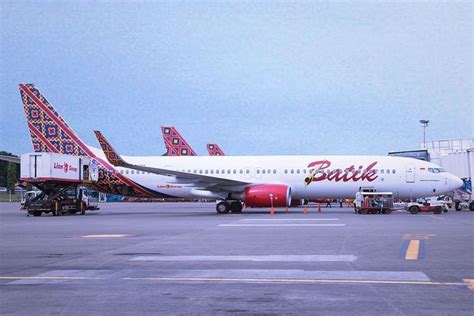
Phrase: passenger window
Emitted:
{"points": [[200, 171], [217, 171], [211, 171], [393, 171], [274, 171], [381, 171], [298, 171], [228, 171], [263, 171], [126, 171], [121, 171], [223, 171], [194, 171], [234, 171], [286, 170], [258, 171], [247, 171], [388, 171], [292, 171], [205, 171], [241, 171]]}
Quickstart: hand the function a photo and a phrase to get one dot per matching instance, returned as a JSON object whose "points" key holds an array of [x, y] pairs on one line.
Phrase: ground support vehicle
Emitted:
{"points": [[373, 203], [463, 200], [437, 207], [60, 180]]}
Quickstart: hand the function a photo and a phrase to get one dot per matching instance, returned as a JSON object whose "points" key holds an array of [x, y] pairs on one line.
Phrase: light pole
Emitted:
{"points": [[424, 124]]}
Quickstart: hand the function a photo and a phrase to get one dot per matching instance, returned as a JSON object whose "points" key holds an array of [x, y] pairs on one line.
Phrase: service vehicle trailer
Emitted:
{"points": [[60, 179]]}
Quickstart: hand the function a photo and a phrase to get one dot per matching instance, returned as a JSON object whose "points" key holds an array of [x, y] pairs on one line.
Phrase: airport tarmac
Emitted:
{"points": [[183, 258]]}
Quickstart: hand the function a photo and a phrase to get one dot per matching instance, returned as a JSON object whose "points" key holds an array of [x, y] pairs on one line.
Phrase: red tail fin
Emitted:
{"points": [[214, 150], [175, 144], [49, 132]]}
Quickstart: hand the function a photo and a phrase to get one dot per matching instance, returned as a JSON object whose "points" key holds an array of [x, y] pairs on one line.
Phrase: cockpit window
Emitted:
{"points": [[436, 170]]}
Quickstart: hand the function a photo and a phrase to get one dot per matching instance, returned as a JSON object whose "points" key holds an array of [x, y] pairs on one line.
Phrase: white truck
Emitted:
{"points": [[61, 181]]}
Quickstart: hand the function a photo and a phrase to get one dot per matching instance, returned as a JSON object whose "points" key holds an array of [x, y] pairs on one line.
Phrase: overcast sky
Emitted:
{"points": [[254, 77]]}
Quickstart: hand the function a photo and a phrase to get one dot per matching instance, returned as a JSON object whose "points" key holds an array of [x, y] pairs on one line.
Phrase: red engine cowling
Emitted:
{"points": [[267, 195]]}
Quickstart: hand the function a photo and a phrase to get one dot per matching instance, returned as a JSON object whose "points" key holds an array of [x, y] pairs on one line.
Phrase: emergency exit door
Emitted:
{"points": [[410, 174]]}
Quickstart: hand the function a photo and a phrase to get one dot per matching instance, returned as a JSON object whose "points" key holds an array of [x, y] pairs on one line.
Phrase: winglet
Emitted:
{"points": [[112, 156], [214, 150]]}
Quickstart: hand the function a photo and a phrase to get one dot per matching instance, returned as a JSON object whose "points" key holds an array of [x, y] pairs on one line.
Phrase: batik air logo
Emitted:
{"points": [[319, 173], [65, 167]]}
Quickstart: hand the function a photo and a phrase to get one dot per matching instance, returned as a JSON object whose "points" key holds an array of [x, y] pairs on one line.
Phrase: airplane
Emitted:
{"points": [[258, 181], [214, 150]]}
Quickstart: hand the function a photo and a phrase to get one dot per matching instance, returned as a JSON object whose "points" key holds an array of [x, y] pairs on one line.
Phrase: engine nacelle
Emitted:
{"points": [[267, 195]]}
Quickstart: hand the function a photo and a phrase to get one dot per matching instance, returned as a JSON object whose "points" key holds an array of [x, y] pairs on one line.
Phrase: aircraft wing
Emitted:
{"points": [[13, 159], [208, 181]]}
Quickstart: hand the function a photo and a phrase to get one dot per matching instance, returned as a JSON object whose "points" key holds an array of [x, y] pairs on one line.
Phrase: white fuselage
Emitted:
{"points": [[407, 178]]}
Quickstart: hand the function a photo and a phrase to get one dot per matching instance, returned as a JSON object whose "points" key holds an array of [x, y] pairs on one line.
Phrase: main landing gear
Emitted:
{"points": [[229, 206]]}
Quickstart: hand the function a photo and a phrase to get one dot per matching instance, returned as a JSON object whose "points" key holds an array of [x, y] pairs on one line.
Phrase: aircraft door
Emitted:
{"points": [[33, 168], [410, 173]]}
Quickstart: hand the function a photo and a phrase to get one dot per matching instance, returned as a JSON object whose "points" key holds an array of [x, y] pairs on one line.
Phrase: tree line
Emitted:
{"points": [[9, 173]]}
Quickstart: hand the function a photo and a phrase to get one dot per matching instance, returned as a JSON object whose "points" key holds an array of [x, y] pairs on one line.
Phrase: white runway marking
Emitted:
{"points": [[282, 225], [232, 275], [267, 258], [290, 219]]}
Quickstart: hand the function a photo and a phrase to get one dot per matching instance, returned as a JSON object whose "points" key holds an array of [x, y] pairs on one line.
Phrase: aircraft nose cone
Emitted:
{"points": [[457, 182]]}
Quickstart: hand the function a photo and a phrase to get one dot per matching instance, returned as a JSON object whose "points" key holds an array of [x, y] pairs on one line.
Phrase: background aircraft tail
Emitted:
{"points": [[49, 132], [175, 144], [214, 150]]}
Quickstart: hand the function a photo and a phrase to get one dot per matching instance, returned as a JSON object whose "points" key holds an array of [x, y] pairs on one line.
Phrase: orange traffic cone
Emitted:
{"points": [[286, 209], [305, 210]]}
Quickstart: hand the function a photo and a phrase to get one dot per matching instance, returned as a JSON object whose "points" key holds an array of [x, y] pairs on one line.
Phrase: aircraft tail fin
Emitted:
{"points": [[110, 153], [49, 132], [175, 144], [214, 150]]}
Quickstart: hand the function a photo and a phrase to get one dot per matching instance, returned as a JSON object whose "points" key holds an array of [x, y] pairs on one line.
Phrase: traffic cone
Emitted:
{"points": [[319, 207], [305, 210], [286, 209]]}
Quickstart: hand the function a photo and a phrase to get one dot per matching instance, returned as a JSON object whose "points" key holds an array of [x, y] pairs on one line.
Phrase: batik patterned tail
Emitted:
{"points": [[49, 132], [214, 150], [175, 144]]}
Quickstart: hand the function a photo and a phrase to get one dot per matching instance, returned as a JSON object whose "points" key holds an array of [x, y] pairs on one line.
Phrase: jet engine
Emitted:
{"points": [[267, 195]]}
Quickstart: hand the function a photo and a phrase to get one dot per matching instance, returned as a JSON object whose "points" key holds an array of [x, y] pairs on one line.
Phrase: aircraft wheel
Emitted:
{"points": [[414, 209], [222, 207], [438, 210], [37, 213], [457, 206], [236, 207], [471, 206]]}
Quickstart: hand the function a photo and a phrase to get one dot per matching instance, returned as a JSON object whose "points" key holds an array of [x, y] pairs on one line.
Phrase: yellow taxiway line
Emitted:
{"points": [[413, 250]]}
